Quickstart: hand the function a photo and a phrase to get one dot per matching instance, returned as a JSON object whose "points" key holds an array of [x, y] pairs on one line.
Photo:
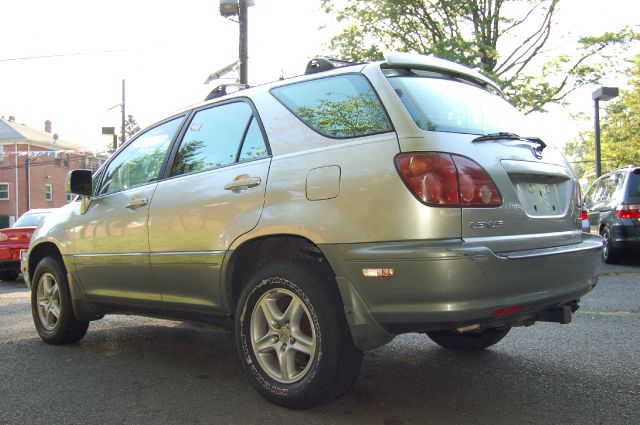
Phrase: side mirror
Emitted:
{"points": [[79, 182]]}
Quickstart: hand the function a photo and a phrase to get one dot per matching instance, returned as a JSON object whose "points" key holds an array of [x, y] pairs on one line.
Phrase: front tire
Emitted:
{"points": [[470, 341], [51, 306], [292, 336]]}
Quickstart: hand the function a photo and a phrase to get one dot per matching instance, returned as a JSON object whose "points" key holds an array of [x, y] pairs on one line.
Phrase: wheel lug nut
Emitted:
{"points": [[284, 347], [275, 338], [276, 325], [292, 341]]}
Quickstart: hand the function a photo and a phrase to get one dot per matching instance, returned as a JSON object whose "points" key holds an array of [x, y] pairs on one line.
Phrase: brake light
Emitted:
{"points": [[628, 211], [446, 180], [585, 215]]}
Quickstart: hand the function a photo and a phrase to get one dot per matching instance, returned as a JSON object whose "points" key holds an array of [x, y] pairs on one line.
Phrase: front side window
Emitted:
{"points": [[219, 136], [437, 102], [140, 161], [4, 191], [340, 107]]}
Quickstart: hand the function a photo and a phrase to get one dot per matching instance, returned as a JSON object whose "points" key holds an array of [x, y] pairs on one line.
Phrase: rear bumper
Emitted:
{"points": [[625, 235], [447, 284]]}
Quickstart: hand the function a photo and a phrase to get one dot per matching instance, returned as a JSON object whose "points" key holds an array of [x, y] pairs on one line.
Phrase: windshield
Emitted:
{"points": [[33, 219], [452, 105]]}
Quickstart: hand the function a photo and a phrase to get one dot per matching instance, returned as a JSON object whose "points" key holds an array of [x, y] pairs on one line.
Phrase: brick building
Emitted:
{"points": [[34, 166]]}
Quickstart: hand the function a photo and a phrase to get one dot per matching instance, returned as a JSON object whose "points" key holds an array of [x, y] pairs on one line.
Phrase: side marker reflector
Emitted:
{"points": [[378, 272]]}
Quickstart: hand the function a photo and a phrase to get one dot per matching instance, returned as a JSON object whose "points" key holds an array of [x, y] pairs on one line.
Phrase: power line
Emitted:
{"points": [[60, 55]]}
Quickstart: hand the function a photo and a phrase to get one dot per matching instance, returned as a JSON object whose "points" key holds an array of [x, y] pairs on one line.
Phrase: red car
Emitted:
{"points": [[15, 239]]}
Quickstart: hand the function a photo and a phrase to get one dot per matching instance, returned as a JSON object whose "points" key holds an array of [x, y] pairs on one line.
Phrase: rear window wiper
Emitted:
{"points": [[510, 136]]}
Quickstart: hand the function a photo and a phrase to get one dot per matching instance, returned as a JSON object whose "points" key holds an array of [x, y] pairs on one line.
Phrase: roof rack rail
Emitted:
{"points": [[325, 64], [223, 89]]}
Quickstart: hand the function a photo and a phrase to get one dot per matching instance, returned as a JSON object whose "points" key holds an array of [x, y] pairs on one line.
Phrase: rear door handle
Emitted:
{"points": [[242, 182], [136, 203]]}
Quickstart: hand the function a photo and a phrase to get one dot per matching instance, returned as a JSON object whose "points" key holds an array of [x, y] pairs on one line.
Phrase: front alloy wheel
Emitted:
{"points": [[51, 305], [48, 301]]}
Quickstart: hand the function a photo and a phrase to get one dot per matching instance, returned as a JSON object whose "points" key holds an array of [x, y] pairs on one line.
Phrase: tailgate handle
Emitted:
{"points": [[136, 203], [242, 182]]}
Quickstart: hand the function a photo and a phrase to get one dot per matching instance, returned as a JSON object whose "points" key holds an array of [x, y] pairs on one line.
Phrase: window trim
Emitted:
{"points": [[8, 191], [187, 123], [328, 136]]}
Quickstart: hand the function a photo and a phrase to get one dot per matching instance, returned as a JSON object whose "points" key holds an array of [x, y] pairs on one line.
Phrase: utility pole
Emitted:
{"points": [[244, 60], [123, 134]]}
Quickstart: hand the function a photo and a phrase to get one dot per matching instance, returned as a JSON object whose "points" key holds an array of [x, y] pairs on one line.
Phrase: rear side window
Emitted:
{"points": [[219, 136], [339, 107]]}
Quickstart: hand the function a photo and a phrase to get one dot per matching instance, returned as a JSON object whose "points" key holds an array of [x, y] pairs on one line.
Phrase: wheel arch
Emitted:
{"points": [[248, 257], [41, 251]]}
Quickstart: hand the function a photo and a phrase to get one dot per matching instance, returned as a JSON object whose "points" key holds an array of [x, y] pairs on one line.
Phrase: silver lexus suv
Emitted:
{"points": [[319, 217]]}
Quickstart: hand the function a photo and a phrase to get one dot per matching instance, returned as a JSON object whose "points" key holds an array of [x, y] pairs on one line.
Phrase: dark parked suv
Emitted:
{"points": [[613, 207]]}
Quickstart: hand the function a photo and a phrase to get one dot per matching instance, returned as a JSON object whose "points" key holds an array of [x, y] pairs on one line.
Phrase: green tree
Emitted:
{"points": [[131, 126], [504, 39], [620, 132]]}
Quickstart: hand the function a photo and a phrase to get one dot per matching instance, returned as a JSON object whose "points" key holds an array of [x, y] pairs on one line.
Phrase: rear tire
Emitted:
{"points": [[292, 336], [610, 255], [51, 306], [8, 275], [470, 341]]}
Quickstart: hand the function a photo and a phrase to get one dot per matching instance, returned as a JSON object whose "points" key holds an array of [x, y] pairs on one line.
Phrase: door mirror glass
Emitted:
{"points": [[79, 182]]}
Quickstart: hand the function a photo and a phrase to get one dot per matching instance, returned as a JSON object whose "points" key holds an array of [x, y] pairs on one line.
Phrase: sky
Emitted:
{"points": [[65, 60]]}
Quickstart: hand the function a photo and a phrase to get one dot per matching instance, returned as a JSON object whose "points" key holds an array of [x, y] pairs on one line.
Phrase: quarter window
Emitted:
{"points": [[341, 106], [220, 136], [141, 160]]}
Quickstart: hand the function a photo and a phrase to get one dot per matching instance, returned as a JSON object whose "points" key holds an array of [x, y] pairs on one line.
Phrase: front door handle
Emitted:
{"points": [[136, 203], [242, 182]]}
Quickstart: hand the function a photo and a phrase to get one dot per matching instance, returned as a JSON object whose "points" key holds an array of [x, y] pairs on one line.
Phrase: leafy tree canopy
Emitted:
{"points": [[620, 132], [131, 126], [504, 39]]}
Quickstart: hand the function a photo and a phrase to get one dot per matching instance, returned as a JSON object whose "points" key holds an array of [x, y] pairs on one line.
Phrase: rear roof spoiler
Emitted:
{"points": [[416, 60]]}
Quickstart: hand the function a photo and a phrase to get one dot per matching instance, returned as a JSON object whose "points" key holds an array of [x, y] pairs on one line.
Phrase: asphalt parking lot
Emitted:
{"points": [[131, 370]]}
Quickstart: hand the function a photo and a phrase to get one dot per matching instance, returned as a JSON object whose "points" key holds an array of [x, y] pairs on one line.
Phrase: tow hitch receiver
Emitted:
{"points": [[561, 314]]}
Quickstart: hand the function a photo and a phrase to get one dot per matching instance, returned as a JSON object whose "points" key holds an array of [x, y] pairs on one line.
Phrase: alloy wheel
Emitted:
{"points": [[283, 336], [48, 301]]}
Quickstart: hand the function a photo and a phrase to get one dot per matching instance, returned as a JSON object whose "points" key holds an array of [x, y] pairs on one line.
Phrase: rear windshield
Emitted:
{"points": [[30, 219], [633, 187], [438, 102]]}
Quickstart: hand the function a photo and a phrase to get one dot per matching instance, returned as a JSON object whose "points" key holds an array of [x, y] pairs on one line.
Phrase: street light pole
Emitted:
{"points": [[604, 94], [597, 137]]}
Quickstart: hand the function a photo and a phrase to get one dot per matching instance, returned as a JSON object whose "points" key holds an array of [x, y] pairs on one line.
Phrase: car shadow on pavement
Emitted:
{"points": [[135, 370]]}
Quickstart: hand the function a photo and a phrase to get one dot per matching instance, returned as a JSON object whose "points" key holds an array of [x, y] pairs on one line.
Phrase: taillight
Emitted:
{"points": [[585, 215], [3, 237], [446, 180], [628, 211]]}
